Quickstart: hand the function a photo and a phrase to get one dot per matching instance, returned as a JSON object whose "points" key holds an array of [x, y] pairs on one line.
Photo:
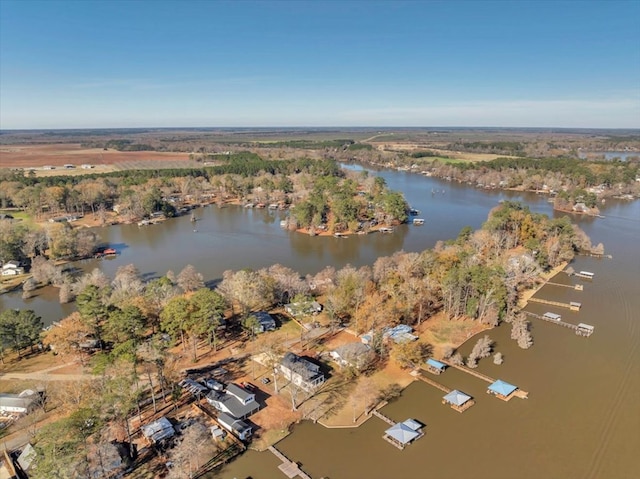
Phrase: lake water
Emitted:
{"points": [[611, 155], [582, 416]]}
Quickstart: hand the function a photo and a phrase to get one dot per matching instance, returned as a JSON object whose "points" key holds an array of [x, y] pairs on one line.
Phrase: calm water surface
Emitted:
{"points": [[582, 417]]}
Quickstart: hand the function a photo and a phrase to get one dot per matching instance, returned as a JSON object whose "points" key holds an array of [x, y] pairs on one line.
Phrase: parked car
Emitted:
{"points": [[265, 380], [213, 384]]}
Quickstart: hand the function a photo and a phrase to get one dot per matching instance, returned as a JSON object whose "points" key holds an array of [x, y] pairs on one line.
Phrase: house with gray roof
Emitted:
{"points": [[18, 403], [158, 431], [237, 427], [235, 401], [265, 321], [301, 371], [356, 355]]}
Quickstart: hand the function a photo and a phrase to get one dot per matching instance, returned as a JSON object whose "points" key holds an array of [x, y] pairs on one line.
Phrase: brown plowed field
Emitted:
{"points": [[37, 156]]}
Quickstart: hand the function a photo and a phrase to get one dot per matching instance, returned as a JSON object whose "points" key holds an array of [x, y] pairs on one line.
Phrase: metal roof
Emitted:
{"points": [[402, 433], [436, 364], [159, 430], [457, 398], [502, 387]]}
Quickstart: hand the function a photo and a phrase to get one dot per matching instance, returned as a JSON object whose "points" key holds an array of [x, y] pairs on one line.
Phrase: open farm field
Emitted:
{"points": [[57, 155]]}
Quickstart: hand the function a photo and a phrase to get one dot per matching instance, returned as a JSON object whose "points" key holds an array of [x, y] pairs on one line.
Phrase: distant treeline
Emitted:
{"points": [[244, 164], [514, 148], [592, 172]]}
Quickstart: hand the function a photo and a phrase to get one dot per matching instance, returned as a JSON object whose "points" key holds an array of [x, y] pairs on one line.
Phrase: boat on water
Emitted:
{"points": [[386, 230], [418, 221], [414, 212], [105, 253]]}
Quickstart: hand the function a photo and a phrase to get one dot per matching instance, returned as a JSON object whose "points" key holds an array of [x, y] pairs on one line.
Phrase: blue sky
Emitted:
{"points": [[92, 64]]}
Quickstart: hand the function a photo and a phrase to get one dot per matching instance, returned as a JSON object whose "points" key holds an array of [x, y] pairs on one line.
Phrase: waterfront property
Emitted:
{"points": [[236, 401], [355, 355], [458, 400], [502, 390], [12, 268], [301, 371], [435, 367], [403, 433]]}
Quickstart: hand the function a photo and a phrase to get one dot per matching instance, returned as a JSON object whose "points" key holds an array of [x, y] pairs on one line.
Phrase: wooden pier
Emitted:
{"points": [[386, 419], [577, 287], [484, 377], [288, 468], [435, 384], [573, 306], [579, 331]]}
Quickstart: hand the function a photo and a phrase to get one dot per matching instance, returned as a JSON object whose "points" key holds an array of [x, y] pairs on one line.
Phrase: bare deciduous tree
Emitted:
{"points": [[189, 279]]}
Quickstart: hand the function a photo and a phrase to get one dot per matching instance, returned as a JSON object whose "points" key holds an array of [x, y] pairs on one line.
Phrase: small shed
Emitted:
{"points": [[502, 390], [435, 367], [458, 400]]}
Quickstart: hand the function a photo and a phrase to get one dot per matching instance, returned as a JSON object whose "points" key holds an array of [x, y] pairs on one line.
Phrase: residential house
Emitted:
{"points": [[301, 371], [11, 268], [18, 403], [356, 355], [236, 401], [265, 321], [303, 308]]}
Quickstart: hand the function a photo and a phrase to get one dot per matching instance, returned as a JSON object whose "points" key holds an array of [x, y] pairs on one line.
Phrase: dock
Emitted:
{"points": [[431, 382], [288, 468], [580, 329], [386, 419], [518, 392], [573, 306], [577, 287]]}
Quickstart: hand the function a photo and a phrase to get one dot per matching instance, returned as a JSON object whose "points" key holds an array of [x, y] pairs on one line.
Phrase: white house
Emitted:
{"points": [[301, 371], [17, 403], [11, 268], [236, 401]]}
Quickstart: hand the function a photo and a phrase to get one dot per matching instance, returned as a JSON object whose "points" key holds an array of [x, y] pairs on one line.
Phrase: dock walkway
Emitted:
{"points": [[419, 375], [484, 377], [386, 419], [574, 327], [288, 468], [555, 303], [577, 287]]}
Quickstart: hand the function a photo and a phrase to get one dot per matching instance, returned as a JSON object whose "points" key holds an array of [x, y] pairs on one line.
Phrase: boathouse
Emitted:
{"points": [[403, 433], [458, 400], [435, 367], [584, 329], [585, 274], [575, 306], [502, 390], [552, 316]]}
